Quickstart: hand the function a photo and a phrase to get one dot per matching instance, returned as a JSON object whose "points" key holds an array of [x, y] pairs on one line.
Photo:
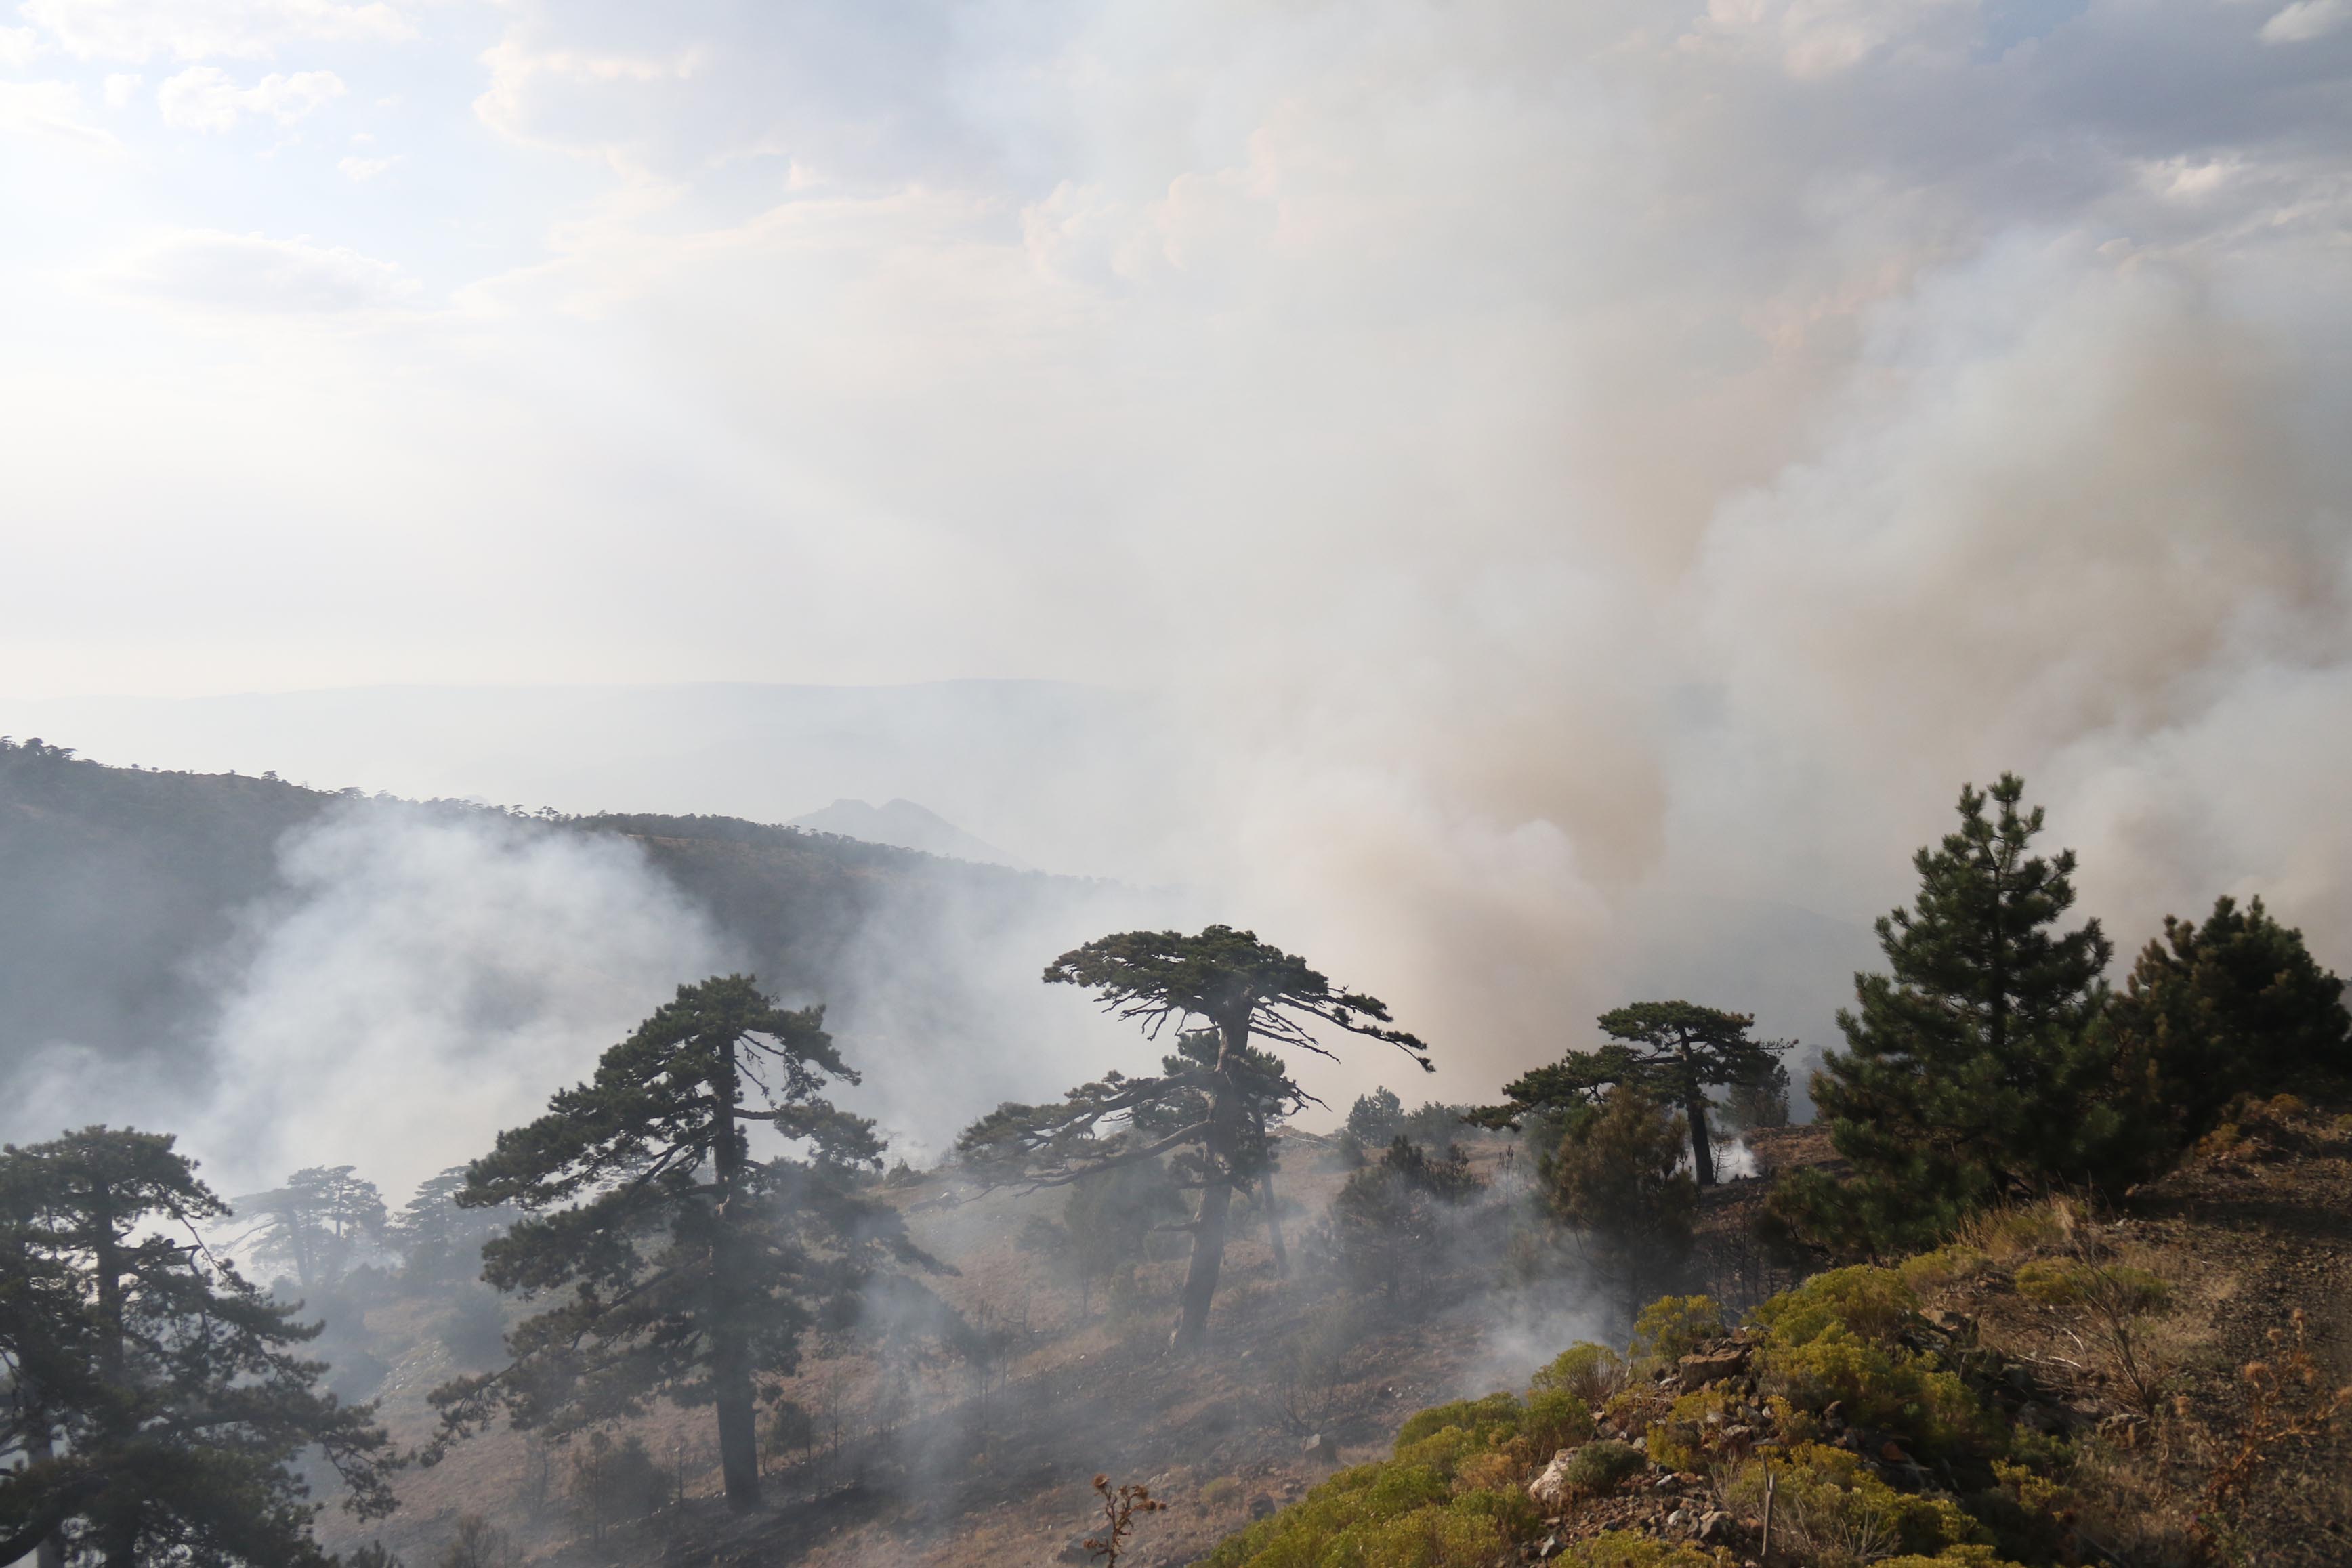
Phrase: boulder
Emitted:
{"points": [[1698, 1370], [1551, 1490], [1321, 1447]]}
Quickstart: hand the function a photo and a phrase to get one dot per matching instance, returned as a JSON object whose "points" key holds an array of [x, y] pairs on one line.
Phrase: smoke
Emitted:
{"points": [[1585, 485], [422, 979]]}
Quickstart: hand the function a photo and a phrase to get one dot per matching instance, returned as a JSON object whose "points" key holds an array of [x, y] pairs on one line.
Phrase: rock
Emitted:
{"points": [[1676, 1519], [1261, 1506], [1321, 1446], [1550, 1549], [1551, 1490], [1714, 1525], [1698, 1370], [1077, 1551]]}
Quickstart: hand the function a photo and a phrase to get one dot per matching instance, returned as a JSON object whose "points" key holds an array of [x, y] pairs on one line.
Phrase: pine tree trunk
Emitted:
{"points": [[1225, 1113], [51, 1552], [731, 1350], [1208, 1259], [1274, 1221], [1702, 1139]]}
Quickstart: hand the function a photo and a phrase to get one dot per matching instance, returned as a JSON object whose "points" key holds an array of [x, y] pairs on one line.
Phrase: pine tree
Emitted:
{"points": [[1616, 1179], [1972, 1069], [1212, 1101], [2236, 1006], [682, 1267], [315, 1223], [439, 1243], [1676, 1051], [158, 1399]]}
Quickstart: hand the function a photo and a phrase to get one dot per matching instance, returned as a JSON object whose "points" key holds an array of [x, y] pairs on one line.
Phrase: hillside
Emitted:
{"points": [[131, 903], [991, 1463]]}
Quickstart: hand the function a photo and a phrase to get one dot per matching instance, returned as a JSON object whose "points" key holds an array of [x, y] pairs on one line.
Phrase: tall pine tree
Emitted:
{"points": [[1674, 1051], [681, 1266], [1211, 1102], [2234, 1005], [1973, 1068], [159, 1401]]}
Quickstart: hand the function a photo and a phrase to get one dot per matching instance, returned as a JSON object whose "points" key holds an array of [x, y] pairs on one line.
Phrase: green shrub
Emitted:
{"points": [[1839, 1514], [1945, 1266], [1591, 1372], [2065, 1282], [1449, 1535], [1444, 1449], [1624, 1549], [1902, 1392], [1300, 1535], [1479, 1416], [1555, 1419], [1600, 1466], [1672, 1327], [1871, 1304]]}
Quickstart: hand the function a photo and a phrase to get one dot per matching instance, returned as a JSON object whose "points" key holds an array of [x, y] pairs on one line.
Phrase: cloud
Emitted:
{"points": [[252, 272], [202, 29], [362, 169], [48, 109], [2305, 20], [203, 98]]}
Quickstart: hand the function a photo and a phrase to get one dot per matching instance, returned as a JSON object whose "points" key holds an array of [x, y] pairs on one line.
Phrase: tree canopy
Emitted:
{"points": [[1971, 1067], [157, 1398], [1213, 1101], [680, 1266], [2235, 1006], [1674, 1051], [316, 1224]]}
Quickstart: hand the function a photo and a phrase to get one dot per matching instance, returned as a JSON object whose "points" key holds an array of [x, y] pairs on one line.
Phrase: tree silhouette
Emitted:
{"points": [[316, 1222], [157, 1398], [1675, 1051], [1971, 1068], [1212, 1101], [681, 1266]]}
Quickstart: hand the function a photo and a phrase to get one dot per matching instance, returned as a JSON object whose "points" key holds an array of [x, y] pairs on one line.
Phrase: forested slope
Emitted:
{"points": [[124, 894]]}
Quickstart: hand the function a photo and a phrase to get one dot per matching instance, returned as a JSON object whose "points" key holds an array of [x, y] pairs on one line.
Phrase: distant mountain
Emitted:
{"points": [[156, 926], [1070, 778], [906, 825]]}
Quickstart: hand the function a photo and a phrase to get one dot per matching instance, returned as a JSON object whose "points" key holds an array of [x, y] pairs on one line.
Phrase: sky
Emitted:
{"points": [[1585, 484]]}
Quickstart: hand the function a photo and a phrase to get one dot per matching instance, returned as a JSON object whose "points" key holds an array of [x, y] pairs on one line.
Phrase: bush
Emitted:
{"points": [[1555, 1419], [1600, 1466], [1591, 1372], [1475, 1415], [1672, 1327], [1870, 1303], [1624, 1549], [1836, 1339], [1300, 1535], [1839, 1514], [2068, 1282]]}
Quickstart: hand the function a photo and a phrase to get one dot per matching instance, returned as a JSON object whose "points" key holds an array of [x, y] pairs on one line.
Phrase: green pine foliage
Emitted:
{"points": [[2235, 1006], [676, 1264], [1210, 1108], [1675, 1051], [1616, 1181], [1972, 1068], [158, 1402]]}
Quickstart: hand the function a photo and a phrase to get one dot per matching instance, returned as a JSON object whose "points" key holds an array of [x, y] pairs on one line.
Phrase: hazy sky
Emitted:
{"points": [[1564, 462]]}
